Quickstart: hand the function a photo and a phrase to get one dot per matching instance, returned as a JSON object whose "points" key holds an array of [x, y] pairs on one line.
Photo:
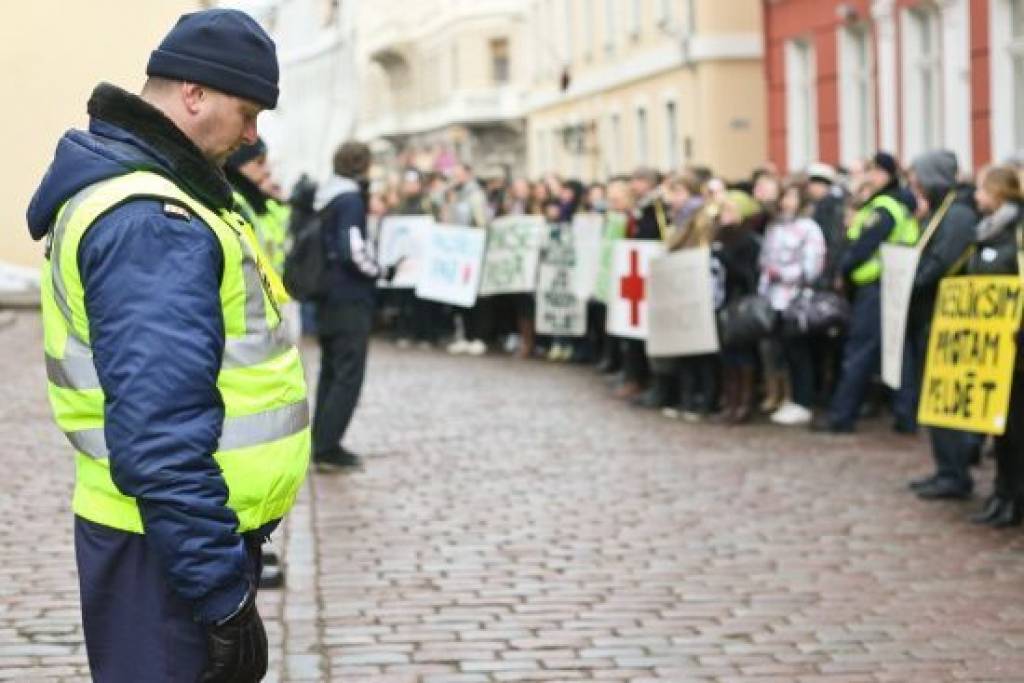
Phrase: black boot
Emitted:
{"points": [[657, 396], [992, 508], [1009, 515]]}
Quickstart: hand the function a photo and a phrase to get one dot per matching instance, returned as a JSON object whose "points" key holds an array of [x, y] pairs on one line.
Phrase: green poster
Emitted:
{"points": [[614, 230]]}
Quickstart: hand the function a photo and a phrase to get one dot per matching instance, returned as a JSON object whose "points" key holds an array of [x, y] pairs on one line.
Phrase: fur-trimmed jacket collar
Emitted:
{"points": [[185, 162]]}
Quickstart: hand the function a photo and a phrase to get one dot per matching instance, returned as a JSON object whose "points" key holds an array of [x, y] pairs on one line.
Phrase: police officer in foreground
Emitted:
{"points": [[885, 217], [167, 368]]}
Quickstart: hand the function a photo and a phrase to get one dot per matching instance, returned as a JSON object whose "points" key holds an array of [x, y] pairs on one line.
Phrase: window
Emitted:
{"points": [[665, 13], [671, 137], [615, 144], [499, 61], [1016, 52], [609, 26], [801, 105], [455, 66], [641, 135], [922, 64], [589, 29], [569, 27], [856, 93], [635, 17]]}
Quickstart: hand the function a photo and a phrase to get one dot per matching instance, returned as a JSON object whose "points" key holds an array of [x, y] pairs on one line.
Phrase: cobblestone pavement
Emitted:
{"points": [[514, 523]]}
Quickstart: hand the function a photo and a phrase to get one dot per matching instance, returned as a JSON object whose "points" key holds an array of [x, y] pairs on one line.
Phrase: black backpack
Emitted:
{"points": [[307, 261]]}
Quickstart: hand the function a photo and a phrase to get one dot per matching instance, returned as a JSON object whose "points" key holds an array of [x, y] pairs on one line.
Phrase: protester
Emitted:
{"points": [[174, 353], [652, 223], [793, 257], [468, 207], [998, 238], [737, 249], [767, 190], [419, 321], [949, 221]]}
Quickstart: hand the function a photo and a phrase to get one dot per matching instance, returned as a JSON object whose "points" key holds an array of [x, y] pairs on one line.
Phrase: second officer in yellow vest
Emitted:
{"points": [[886, 217], [182, 402]]}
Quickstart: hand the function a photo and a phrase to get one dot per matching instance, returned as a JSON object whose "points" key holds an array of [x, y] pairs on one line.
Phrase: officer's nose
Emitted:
{"points": [[249, 133]]}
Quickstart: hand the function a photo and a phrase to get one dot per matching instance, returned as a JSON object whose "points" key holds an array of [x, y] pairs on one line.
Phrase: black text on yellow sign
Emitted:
{"points": [[971, 352]]}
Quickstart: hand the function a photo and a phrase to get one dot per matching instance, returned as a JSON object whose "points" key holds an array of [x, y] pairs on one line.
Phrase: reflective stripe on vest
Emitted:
{"points": [[904, 231], [261, 380]]}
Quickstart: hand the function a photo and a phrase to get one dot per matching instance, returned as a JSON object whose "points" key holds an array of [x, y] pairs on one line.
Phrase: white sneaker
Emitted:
{"points": [[459, 346], [792, 415], [476, 348]]}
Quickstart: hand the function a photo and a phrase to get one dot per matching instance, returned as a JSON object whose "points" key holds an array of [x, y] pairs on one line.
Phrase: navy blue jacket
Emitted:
{"points": [[152, 284], [352, 274], [876, 231]]}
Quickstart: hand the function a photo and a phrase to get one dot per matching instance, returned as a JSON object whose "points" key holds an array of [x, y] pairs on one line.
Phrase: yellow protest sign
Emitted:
{"points": [[971, 352]]}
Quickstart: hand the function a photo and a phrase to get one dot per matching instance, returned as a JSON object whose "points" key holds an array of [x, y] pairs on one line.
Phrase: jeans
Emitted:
{"points": [[342, 368], [800, 362]]}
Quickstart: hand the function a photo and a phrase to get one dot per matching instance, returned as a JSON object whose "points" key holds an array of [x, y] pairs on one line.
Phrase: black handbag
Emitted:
{"points": [[746, 321], [816, 312]]}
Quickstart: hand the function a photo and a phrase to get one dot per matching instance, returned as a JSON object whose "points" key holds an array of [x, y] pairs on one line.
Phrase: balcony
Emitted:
{"points": [[492, 105]]}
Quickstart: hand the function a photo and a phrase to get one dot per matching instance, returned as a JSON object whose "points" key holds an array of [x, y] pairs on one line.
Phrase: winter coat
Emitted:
{"points": [[650, 213], [469, 206], [353, 269], [792, 257], [738, 249], [148, 275]]}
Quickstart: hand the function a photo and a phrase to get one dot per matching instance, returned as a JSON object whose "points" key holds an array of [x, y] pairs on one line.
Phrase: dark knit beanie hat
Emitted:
{"points": [[246, 153], [887, 163], [224, 49]]}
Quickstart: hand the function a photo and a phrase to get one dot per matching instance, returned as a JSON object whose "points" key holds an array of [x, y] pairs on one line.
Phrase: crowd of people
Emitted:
{"points": [[776, 241]]}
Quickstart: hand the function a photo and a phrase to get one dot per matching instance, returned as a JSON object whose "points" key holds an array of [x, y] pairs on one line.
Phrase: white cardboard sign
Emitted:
{"points": [[513, 252], [899, 266], [561, 299], [451, 267], [404, 237], [629, 289], [681, 305]]}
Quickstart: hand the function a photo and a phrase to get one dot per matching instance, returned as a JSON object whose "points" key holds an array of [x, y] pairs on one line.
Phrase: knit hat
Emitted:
{"points": [[887, 163], [224, 49], [246, 153]]}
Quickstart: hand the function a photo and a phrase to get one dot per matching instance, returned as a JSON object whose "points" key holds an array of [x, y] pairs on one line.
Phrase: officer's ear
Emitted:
{"points": [[194, 97]]}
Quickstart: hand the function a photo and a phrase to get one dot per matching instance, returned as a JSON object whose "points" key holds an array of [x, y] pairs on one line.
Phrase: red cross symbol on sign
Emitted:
{"points": [[632, 288]]}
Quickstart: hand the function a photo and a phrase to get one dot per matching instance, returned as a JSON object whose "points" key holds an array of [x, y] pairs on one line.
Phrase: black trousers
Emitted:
{"points": [[800, 362], [1010, 446], [344, 340], [136, 627]]}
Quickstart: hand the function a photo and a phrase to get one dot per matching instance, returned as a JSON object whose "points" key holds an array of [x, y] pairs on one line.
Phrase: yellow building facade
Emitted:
{"points": [[615, 84], [53, 54]]}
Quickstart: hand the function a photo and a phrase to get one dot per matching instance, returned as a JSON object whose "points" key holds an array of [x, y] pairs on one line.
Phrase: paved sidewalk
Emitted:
{"points": [[513, 523]]}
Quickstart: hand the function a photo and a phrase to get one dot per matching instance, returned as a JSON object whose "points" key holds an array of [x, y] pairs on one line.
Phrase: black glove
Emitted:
{"points": [[237, 647], [389, 272]]}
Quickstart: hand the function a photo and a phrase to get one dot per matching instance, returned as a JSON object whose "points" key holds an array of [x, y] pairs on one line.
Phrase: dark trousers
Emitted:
{"points": [[634, 361], [862, 357], [478, 322], [800, 363], [1010, 446], [915, 351], [698, 383], [344, 340], [952, 451], [136, 627]]}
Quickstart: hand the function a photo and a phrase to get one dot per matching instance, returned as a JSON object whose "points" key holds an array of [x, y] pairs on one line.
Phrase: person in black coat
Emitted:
{"points": [[933, 179], [998, 237]]}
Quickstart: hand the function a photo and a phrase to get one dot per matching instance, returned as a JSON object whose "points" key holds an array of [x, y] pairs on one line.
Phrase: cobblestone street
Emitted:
{"points": [[514, 523]]}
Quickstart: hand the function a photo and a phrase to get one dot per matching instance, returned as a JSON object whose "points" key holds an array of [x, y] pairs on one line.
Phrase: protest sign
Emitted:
{"points": [[561, 305], [614, 230], [681, 306], [513, 251], [450, 271], [899, 265], [587, 234], [403, 238], [629, 289], [971, 353]]}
